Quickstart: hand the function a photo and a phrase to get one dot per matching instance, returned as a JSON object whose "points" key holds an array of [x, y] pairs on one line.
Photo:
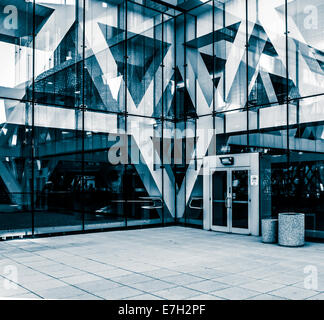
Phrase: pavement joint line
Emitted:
{"points": [[28, 265], [93, 274], [50, 288]]}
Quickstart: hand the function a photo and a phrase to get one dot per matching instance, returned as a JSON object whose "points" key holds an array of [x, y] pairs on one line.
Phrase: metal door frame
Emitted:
{"points": [[229, 228]]}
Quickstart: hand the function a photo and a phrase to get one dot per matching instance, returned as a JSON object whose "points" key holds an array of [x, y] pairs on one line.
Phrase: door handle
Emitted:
{"points": [[228, 203]]}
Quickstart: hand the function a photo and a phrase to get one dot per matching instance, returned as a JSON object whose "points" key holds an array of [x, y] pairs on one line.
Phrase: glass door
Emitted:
{"points": [[230, 200], [240, 196], [220, 201]]}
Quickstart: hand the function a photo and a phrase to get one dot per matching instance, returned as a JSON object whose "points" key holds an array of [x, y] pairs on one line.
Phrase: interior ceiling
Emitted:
{"points": [[179, 5]]}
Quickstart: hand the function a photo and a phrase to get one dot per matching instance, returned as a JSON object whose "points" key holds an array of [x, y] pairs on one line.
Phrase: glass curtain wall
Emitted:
{"points": [[108, 107], [305, 173], [254, 80], [16, 95], [86, 97]]}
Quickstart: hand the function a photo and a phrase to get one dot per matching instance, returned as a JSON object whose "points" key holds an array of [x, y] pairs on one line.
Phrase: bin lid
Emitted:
{"points": [[291, 213]]}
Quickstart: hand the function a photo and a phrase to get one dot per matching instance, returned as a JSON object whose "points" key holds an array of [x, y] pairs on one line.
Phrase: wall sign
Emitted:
{"points": [[254, 180]]}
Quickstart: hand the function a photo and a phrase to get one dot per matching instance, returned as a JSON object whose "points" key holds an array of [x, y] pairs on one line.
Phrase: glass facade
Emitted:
{"points": [[107, 108]]}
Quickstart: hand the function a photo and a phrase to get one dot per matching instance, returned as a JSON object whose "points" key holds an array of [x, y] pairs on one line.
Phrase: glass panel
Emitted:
{"points": [[105, 55], [16, 65], [190, 168], [199, 60], [104, 170], [180, 168], [240, 199], [58, 55], [219, 191], [306, 47], [143, 179], [168, 172], [304, 181], [169, 80], [59, 173], [267, 53], [179, 71], [16, 39], [230, 55], [142, 207], [305, 173], [144, 61], [295, 185], [103, 197], [15, 170], [194, 210]]}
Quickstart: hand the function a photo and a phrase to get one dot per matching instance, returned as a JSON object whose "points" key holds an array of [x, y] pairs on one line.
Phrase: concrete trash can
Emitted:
{"points": [[269, 230], [291, 229]]}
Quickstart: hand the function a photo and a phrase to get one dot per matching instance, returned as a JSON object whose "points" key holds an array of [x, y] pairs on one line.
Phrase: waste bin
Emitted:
{"points": [[269, 229], [291, 229]]}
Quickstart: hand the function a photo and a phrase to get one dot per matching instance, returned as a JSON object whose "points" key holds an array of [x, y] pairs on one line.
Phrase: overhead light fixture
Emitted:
{"points": [[14, 140], [227, 161]]}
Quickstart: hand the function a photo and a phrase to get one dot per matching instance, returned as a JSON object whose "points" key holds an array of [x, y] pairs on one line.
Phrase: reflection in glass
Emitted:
{"points": [[220, 196], [240, 199], [159, 83]]}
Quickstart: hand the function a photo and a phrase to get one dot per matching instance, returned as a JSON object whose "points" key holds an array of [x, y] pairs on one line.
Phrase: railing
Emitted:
{"points": [[155, 202], [45, 199], [195, 199]]}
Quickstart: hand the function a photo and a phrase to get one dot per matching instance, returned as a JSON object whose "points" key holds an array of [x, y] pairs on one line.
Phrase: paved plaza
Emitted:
{"points": [[159, 263]]}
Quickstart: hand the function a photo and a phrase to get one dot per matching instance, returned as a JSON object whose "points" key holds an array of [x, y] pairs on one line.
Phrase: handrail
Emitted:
{"points": [[195, 199], [130, 200], [157, 202]]}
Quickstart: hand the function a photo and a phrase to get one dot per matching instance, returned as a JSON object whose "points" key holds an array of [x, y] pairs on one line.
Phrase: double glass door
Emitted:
{"points": [[230, 200]]}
